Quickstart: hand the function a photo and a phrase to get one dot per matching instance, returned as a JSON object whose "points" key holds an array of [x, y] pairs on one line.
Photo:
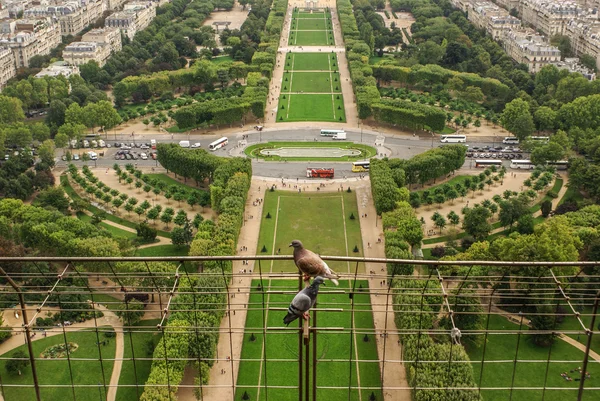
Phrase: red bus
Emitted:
{"points": [[319, 172]]}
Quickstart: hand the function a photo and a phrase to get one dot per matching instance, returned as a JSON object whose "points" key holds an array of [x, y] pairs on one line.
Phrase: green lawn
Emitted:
{"points": [[320, 82], [139, 342], [311, 108], [572, 193], [301, 216], [163, 250], [376, 59], [284, 345], [221, 59], [571, 323], [171, 181], [55, 372], [311, 38], [311, 61], [366, 151], [310, 24], [452, 182], [530, 369], [315, 15], [114, 231]]}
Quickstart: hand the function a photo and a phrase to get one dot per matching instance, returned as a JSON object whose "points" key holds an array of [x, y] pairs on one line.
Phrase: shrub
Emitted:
{"points": [[355, 250], [467, 241], [439, 251], [264, 249], [145, 232], [348, 190], [268, 215], [546, 208], [352, 216]]}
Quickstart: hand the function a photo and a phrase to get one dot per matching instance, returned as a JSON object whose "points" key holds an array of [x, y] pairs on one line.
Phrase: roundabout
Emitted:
{"points": [[286, 152], [310, 150]]}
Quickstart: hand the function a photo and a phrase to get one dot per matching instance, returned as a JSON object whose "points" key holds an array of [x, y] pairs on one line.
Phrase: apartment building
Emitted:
{"points": [[108, 36], [585, 38], [572, 65], [509, 4], [30, 37], [78, 53], [58, 68], [8, 67], [549, 17], [527, 47], [73, 15], [493, 19], [134, 17], [113, 4]]}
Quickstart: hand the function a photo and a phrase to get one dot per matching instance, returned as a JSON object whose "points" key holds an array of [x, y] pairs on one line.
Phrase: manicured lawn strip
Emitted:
{"points": [[555, 188], [310, 24], [311, 61], [571, 323], [137, 344], [171, 181], [572, 193], [55, 372], [163, 250], [318, 82], [367, 151], [221, 59], [311, 38], [376, 59], [446, 131], [114, 231], [280, 345], [311, 108], [502, 347], [301, 217], [110, 302], [315, 15], [64, 181]]}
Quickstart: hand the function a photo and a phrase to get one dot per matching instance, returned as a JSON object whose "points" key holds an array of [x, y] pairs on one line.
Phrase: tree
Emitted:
{"points": [[130, 312], [181, 218], [11, 110], [440, 223], [182, 235], [55, 198], [153, 214], [545, 118], [145, 232], [19, 361], [453, 218], [525, 224], [546, 208], [166, 217], [517, 118], [588, 61], [179, 197], [475, 222], [46, 152], [40, 132], [543, 320], [147, 188]]}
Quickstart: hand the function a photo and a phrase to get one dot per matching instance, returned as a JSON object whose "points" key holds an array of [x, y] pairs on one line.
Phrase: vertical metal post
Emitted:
{"points": [[588, 345], [36, 384], [307, 368], [314, 357], [300, 358]]}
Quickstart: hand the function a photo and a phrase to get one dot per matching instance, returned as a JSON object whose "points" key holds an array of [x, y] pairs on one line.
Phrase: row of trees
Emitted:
{"points": [[411, 115], [229, 192]]}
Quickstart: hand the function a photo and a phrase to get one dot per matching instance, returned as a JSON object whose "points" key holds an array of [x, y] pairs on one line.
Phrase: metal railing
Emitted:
{"points": [[35, 287]]}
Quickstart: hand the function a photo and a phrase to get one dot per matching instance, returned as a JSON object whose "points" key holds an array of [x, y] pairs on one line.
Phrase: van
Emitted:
{"points": [[73, 144], [153, 143], [93, 155], [340, 136], [94, 144], [86, 144], [510, 140], [101, 143], [184, 144]]}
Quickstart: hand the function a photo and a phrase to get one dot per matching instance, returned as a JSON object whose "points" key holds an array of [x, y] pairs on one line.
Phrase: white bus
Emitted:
{"points": [[559, 165], [522, 164], [510, 140], [453, 139], [539, 138], [487, 163], [218, 144], [332, 132], [360, 167]]}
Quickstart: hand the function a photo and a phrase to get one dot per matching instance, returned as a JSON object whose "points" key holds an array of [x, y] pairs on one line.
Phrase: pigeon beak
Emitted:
{"points": [[290, 245]]}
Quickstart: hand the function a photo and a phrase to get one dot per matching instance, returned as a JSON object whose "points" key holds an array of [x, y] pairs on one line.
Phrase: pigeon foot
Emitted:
{"points": [[305, 316]]}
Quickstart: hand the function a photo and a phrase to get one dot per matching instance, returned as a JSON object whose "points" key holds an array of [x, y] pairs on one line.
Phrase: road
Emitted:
{"points": [[402, 147]]}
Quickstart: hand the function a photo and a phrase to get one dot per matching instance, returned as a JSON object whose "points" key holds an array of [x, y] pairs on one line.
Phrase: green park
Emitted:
{"points": [[311, 29]]}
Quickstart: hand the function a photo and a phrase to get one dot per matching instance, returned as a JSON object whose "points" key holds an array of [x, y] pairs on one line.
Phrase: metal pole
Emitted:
{"points": [[300, 348], [36, 384], [588, 345], [307, 367], [314, 343]]}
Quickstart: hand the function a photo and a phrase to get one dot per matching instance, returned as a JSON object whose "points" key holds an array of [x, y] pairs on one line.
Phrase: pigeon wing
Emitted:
{"points": [[311, 264], [302, 302]]}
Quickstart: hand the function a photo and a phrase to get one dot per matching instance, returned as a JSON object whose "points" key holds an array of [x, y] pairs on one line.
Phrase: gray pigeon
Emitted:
{"points": [[311, 264], [303, 301]]}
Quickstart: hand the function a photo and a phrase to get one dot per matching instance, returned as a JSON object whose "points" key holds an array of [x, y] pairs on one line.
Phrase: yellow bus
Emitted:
{"points": [[360, 167]]}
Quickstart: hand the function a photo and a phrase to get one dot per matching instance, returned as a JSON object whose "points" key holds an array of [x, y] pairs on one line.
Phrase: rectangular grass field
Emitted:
{"points": [[311, 29], [317, 107], [311, 38], [320, 220], [321, 82], [531, 366], [311, 62], [337, 352]]}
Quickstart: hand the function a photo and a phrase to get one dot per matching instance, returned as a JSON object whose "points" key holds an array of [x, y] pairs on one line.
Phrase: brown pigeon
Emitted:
{"points": [[310, 264]]}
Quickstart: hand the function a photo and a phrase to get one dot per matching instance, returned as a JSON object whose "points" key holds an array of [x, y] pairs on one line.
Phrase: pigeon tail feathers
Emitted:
{"points": [[289, 318]]}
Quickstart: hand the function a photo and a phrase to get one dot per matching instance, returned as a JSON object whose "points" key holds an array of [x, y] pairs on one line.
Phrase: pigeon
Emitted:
{"points": [[303, 301], [311, 264]]}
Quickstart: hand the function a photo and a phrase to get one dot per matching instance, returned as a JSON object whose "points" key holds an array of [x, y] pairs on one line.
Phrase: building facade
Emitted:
{"points": [[135, 16], [30, 37], [8, 67], [527, 47]]}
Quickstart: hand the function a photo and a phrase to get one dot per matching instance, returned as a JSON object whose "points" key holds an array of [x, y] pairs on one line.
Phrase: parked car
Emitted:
{"points": [[75, 156], [117, 145], [153, 154], [143, 156], [144, 147], [196, 145]]}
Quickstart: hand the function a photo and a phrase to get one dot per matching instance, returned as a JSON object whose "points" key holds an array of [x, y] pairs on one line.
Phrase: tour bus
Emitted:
{"points": [[539, 138], [559, 165], [522, 164], [218, 144], [453, 139], [487, 163], [510, 140], [332, 132], [319, 172], [360, 167]]}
